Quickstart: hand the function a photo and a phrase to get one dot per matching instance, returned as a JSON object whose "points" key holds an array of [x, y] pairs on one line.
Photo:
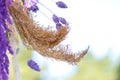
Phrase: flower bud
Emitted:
{"points": [[32, 64], [62, 20], [60, 4]]}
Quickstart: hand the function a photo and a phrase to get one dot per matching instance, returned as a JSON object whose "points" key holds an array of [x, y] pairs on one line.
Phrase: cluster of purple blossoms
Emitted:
{"points": [[4, 42], [59, 21], [31, 5]]}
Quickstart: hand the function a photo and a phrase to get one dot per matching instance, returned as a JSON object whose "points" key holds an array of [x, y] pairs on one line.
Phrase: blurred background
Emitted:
{"points": [[92, 22]]}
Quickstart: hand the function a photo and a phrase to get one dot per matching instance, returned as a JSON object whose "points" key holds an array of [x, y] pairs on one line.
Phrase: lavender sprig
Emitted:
{"points": [[4, 43]]}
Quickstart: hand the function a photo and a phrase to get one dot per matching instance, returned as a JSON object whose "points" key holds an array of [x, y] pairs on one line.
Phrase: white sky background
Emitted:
{"points": [[93, 22]]}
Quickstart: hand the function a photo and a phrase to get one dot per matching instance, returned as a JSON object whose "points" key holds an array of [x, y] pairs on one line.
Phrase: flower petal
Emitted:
{"points": [[31, 5], [62, 20], [61, 4], [58, 25], [32, 64], [55, 18]]}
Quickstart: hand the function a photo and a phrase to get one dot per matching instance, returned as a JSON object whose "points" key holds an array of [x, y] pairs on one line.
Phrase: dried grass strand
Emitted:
{"points": [[42, 40], [64, 54], [31, 34]]}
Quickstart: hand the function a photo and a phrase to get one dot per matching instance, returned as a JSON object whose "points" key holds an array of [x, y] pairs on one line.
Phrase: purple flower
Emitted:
{"points": [[32, 64], [4, 62], [62, 20], [59, 21], [4, 16], [8, 2], [58, 25], [55, 18], [33, 8], [31, 5], [10, 49], [61, 4]]}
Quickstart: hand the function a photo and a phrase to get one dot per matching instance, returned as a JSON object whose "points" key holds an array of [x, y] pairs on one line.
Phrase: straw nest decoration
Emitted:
{"points": [[42, 40]]}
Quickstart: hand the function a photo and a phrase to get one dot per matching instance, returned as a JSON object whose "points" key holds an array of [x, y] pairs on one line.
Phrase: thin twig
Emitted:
{"points": [[16, 66]]}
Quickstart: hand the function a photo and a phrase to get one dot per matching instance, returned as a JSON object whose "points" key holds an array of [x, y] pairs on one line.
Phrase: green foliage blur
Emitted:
{"points": [[118, 72], [25, 72], [89, 68], [93, 69]]}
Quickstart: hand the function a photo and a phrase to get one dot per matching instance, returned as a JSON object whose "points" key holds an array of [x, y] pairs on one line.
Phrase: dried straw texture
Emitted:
{"points": [[31, 33], [64, 54], [42, 40]]}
